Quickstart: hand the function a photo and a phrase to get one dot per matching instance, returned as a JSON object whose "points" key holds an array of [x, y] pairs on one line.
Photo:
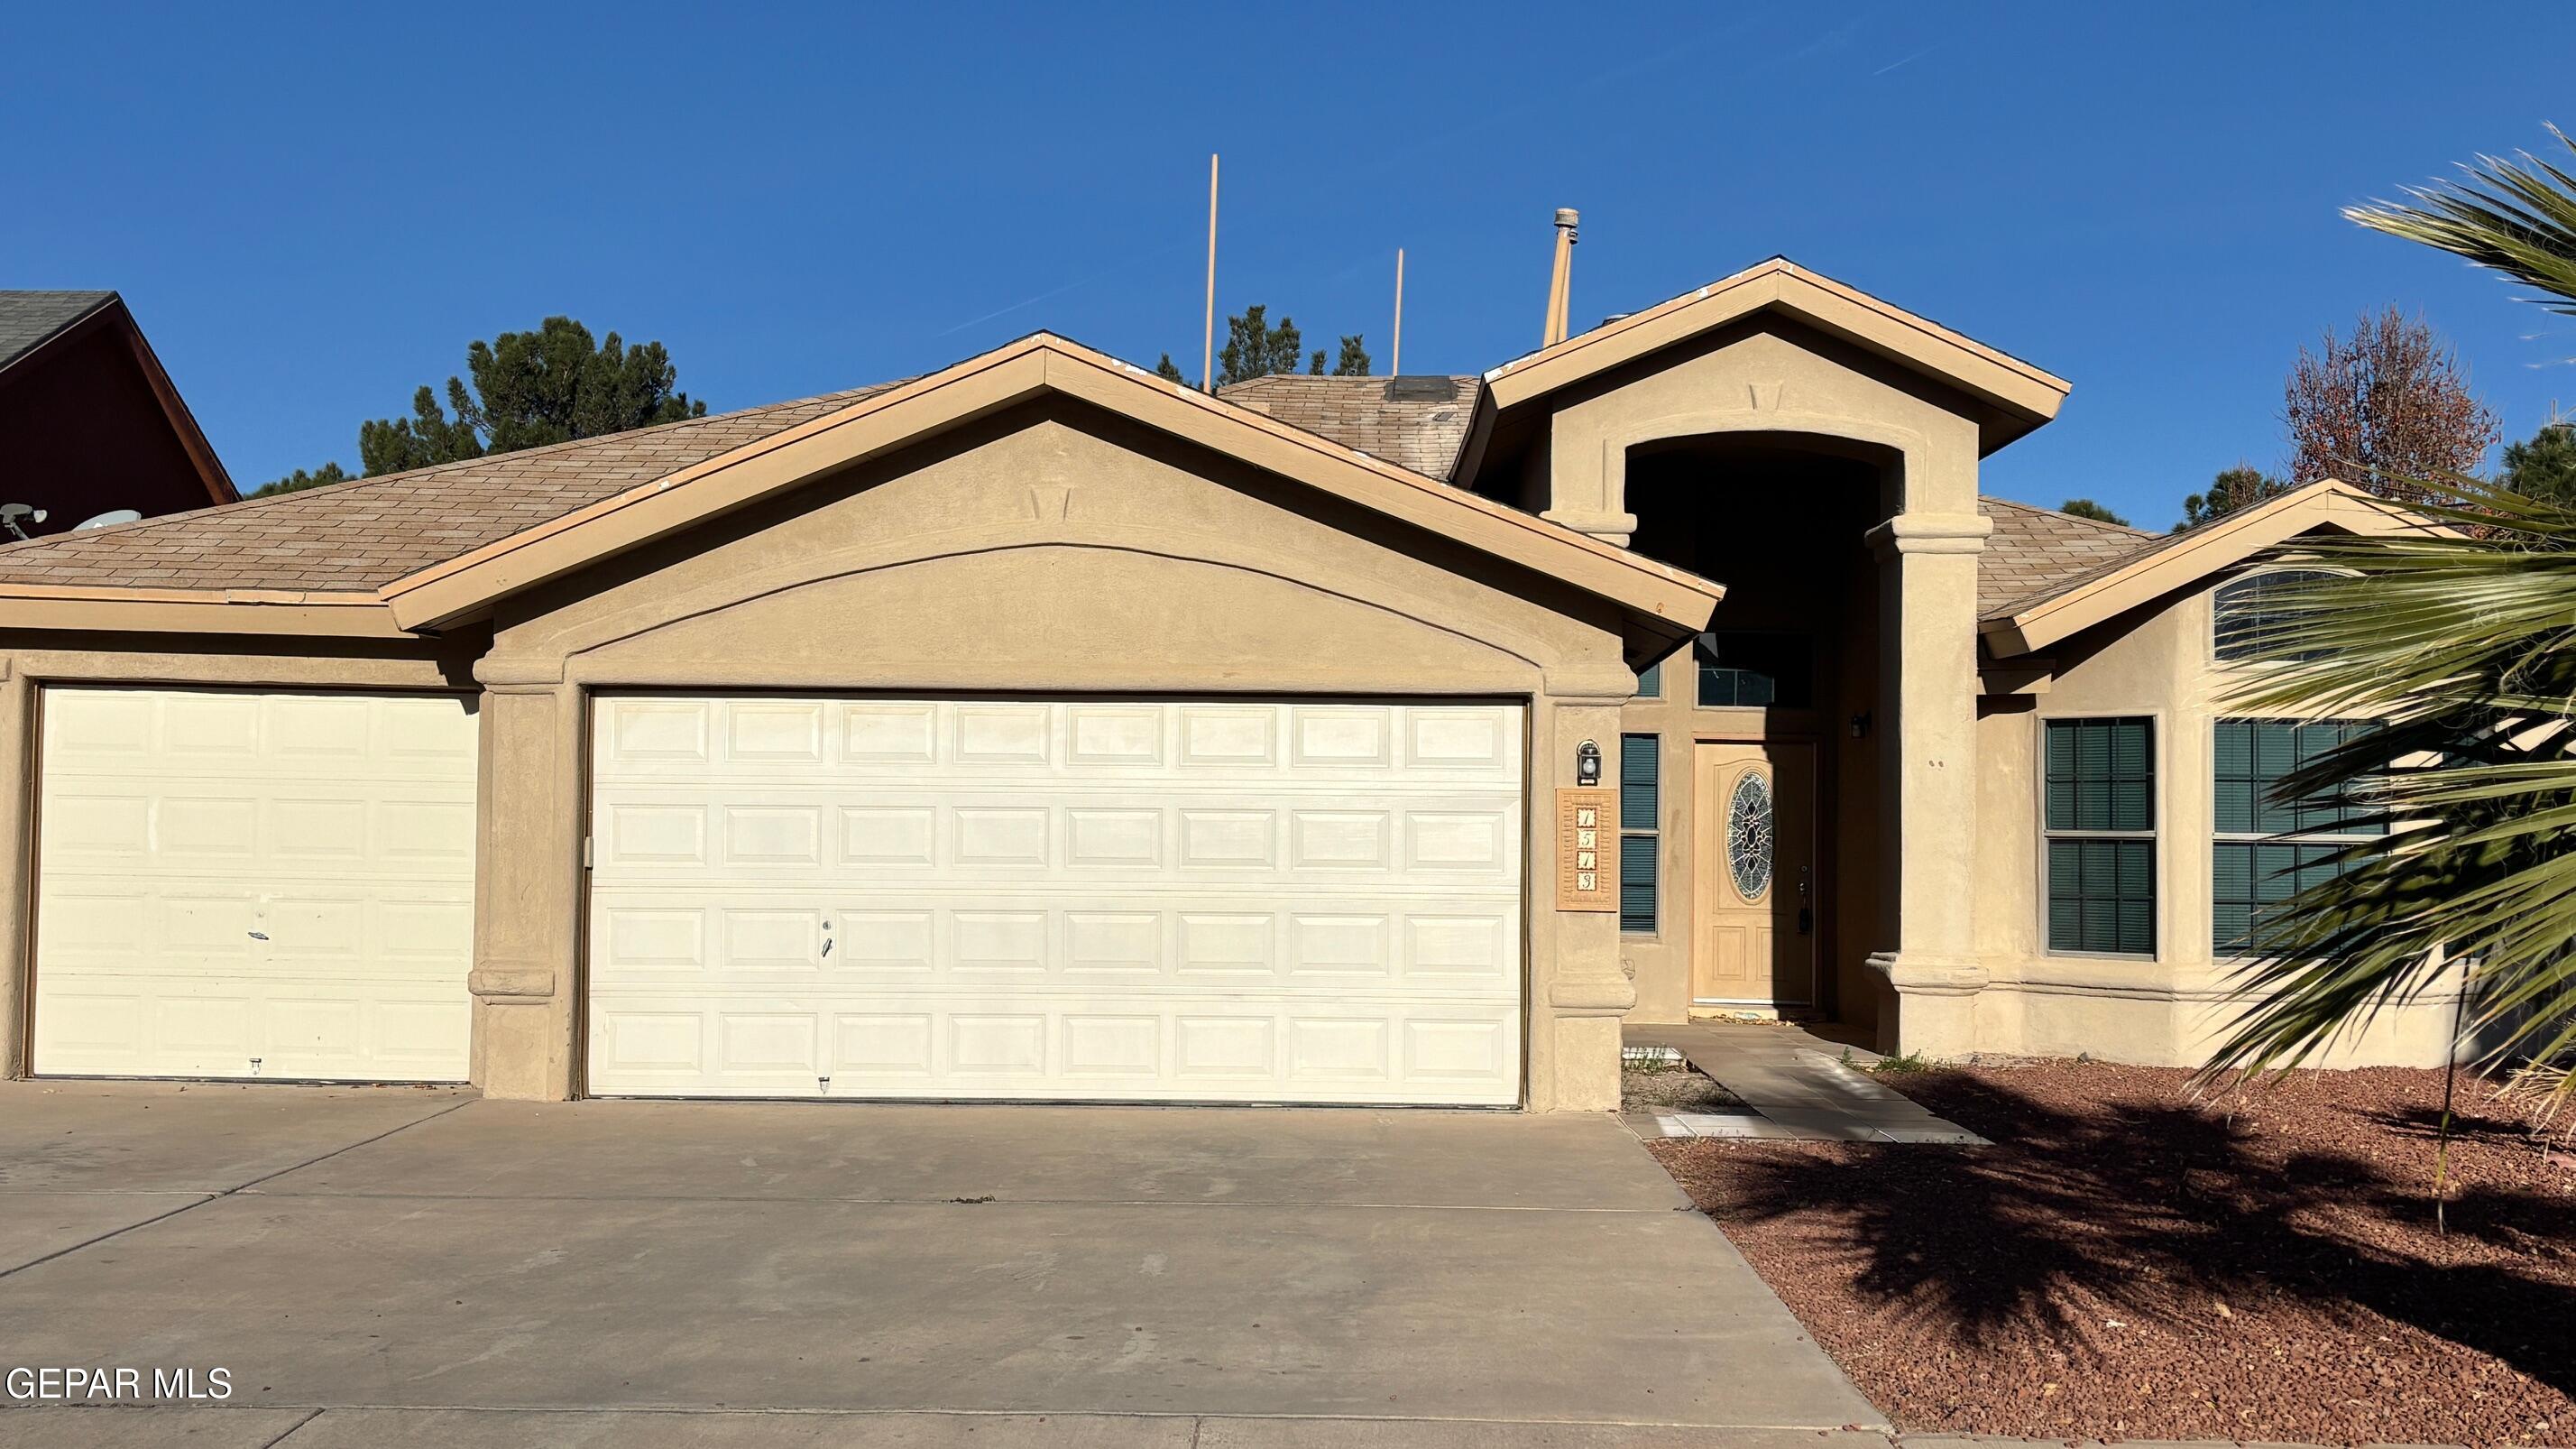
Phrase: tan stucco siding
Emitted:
{"points": [[1052, 548], [1048, 550], [1767, 380], [2172, 1008], [1906, 660]]}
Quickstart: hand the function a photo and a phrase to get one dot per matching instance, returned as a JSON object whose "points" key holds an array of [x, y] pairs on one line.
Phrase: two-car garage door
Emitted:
{"points": [[1070, 899]]}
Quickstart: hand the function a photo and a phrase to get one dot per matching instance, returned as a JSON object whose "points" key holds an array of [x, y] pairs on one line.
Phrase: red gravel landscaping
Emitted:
{"points": [[2126, 1263]]}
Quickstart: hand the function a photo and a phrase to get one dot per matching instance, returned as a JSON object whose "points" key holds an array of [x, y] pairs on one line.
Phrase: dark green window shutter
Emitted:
{"points": [[1641, 768]]}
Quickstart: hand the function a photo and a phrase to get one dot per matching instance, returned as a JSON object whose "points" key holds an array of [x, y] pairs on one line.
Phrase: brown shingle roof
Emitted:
{"points": [[1373, 414], [2035, 552], [361, 536]]}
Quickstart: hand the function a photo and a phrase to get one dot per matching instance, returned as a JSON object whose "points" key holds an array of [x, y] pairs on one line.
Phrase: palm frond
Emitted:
{"points": [[2516, 216], [2458, 646]]}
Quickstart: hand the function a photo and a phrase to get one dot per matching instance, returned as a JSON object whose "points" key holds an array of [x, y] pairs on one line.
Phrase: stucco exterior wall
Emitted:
{"points": [[1050, 550], [1905, 913], [2173, 1008]]}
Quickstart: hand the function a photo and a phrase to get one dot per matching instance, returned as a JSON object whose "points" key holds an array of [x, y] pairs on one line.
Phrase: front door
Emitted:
{"points": [[1754, 879]]}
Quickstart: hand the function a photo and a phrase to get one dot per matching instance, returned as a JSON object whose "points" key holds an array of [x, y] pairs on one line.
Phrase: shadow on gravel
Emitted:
{"points": [[2155, 1211]]}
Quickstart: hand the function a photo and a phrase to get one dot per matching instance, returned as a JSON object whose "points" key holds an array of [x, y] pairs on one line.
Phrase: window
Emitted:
{"points": [[1772, 670], [2249, 613], [1641, 768], [2099, 818], [1650, 681], [2269, 849]]}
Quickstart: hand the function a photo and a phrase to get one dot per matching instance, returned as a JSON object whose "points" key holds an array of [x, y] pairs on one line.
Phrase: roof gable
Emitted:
{"points": [[2014, 396], [28, 320], [2157, 566]]}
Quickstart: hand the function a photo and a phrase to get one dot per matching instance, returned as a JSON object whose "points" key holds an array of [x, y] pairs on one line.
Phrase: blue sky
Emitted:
{"points": [[312, 211]]}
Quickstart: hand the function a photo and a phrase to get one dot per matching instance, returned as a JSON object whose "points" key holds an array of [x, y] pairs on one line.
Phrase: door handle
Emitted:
{"points": [[1806, 919]]}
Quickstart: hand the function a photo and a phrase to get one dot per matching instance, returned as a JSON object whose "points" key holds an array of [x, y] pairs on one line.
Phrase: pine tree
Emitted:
{"points": [[1354, 361], [551, 385], [2234, 488], [1170, 371], [2087, 508], [2545, 465], [1253, 348], [299, 480]]}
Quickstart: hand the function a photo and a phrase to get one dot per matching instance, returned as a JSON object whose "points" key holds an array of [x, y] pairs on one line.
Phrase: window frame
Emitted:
{"points": [[1642, 842], [2159, 897], [2295, 838], [2218, 644], [1705, 646]]}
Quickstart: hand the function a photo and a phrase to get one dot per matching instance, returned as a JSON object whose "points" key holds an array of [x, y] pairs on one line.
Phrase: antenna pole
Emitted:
{"points": [[1207, 340], [1395, 364]]}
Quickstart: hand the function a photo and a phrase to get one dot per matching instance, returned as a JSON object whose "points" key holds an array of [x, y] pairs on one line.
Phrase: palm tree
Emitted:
{"points": [[2461, 643]]}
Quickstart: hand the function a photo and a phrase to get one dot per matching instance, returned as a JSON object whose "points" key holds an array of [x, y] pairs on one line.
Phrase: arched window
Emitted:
{"points": [[2249, 612]]}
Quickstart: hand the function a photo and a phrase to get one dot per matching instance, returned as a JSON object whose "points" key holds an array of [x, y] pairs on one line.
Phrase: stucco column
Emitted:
{"points": [[527, 890], [1580, 991], [1927, 765], [1587, 486]]}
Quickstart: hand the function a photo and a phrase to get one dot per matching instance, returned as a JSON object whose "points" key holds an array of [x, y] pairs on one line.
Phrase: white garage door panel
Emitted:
{"points": [[238, 884], [1152, 900]]}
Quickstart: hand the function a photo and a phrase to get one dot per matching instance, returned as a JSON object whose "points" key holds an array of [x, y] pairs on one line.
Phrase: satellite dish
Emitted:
{"points": [[121, 515]]}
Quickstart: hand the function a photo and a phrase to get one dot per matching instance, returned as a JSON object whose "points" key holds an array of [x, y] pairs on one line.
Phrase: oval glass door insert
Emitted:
{"points": [[1748, 834]]}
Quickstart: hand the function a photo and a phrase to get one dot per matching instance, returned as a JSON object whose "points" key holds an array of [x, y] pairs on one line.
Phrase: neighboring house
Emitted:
{"points": [[1040, 729], [89, 423]]}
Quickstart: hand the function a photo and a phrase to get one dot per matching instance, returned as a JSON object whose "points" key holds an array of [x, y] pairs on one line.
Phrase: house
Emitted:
{"points": [[1039, 729], [89, 423]]}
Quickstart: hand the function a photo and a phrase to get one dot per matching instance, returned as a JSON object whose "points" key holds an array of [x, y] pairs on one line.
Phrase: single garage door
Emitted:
{"points": [[234, 883], [1067, 900]]}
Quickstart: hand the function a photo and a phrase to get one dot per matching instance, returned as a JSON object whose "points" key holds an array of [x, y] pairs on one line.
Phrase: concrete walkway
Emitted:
{"points": [[1795, 1084], [413, 1268], [227, 1428]]}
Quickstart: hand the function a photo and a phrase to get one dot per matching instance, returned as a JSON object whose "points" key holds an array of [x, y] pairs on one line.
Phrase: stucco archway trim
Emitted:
{"points": [[1909, 445], [650, 613]]}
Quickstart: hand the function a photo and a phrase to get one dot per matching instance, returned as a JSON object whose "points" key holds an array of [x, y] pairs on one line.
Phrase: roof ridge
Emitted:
{"points": [[2075, 517], [29, 545]]}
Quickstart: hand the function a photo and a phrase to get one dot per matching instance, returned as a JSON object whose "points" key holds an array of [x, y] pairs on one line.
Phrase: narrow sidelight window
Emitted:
{"points": [[1640, 801], [2267, 849], [2099, 816]]}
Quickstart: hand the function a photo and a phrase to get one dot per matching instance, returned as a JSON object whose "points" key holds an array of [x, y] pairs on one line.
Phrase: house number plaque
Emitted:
{"points": [[1587, 850]]}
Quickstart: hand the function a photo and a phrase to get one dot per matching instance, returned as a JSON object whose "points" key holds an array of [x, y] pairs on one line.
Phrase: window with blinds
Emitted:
{"points": [[2266, 848], [2099, 819]]}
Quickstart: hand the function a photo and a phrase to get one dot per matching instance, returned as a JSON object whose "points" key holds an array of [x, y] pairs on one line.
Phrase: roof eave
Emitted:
{"points": [[2188, 558], [265, 612]]}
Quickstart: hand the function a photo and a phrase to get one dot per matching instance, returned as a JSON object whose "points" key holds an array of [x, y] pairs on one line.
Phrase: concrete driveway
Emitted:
{"points": [[393, 1267]]}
